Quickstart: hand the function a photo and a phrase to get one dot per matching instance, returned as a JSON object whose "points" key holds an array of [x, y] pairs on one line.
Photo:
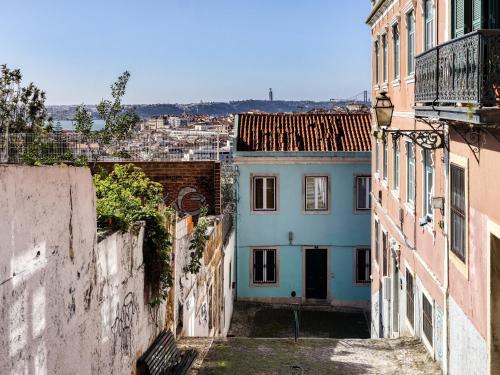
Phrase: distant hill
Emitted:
{"points": [[66, 112]]}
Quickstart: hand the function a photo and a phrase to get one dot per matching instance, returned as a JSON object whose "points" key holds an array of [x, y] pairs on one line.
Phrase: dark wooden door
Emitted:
{"points": [[316, 273]]}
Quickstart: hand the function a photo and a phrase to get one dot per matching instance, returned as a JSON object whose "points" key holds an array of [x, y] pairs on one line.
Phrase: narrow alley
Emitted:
{"points": [[247, 350]]}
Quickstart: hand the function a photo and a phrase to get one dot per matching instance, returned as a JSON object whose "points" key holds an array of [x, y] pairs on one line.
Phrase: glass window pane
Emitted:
{"points": [[360, 265], [270, 182], [259, 193], [362, 186], [321, 190], [258, 259], [271, 266]]}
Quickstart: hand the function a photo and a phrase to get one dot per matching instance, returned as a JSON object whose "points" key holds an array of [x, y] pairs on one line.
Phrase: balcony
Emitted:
{"points": [[460, 79]]}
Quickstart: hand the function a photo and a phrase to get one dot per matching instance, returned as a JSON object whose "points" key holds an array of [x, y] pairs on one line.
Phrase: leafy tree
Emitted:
{"points": [[118, 120], [21, 108], [83, 121]]}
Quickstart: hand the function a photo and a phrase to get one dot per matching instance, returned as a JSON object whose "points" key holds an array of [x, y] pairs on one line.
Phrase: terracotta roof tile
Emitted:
{"points": [[304, 132]]}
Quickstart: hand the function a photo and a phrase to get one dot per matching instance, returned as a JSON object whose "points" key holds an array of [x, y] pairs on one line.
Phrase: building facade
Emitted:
{"points": [[303, 209], [434, 218]]}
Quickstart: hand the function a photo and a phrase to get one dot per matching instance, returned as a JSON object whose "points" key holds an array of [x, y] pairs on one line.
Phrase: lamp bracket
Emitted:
{"points": [[427, 139], [430, 139]]}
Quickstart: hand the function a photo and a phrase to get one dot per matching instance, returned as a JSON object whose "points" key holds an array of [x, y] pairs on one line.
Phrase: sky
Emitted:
{"points": [[186, 51]]}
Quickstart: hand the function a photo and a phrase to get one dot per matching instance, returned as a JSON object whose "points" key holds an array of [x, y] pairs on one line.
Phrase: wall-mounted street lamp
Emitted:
{"points": [[383, 110]]}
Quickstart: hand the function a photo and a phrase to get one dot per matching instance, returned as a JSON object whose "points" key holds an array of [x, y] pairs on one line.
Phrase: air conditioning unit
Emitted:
{"points": [[386, 287]]}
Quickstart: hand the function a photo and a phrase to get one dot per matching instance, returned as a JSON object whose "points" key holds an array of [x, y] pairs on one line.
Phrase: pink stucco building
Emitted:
{"points": [[436, 179]]}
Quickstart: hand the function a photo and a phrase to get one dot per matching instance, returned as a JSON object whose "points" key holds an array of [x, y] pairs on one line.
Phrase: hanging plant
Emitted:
{"points": [[126, 196], [198, 243]]}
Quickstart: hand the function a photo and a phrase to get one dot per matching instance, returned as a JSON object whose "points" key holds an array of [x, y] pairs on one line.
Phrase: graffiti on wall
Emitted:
{"points": [[122, 326]]}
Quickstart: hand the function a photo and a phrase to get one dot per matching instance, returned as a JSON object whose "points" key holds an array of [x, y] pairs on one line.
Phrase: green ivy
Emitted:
{"points": [[126, 196], [198, 242]]}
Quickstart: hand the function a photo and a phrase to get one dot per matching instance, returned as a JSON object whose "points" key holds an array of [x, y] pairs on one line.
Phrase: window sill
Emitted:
{"points": [[384, 183], [385, 86], [316, 212], [376, 87], [364, 284], [395, 194], [410, 79], [396, 82], [410, 208], [264, 285], [264, 212]]}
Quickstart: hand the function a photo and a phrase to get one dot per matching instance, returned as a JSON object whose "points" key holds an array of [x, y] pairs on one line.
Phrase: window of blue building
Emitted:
{"points": [[363, 188], [264, 266], [316, 193], [264, 193], [363, 266]]}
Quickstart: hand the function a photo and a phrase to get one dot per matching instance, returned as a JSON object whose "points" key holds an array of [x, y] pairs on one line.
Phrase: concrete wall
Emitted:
{"points": [[341, 230], [69, 305]]}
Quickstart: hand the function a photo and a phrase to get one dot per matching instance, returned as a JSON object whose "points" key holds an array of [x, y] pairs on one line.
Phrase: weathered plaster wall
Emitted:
{"points": [[468, 350], [200, 298], [229, 269], [69, 305]]}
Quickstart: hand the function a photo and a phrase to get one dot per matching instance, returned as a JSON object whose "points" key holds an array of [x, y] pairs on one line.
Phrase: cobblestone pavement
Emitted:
{"points": [[333, 342], [251, 356]]}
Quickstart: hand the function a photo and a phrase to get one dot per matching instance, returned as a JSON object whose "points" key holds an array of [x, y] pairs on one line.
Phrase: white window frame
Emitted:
{"points": [[376, 46], [384, 161], [385, 58], [367, 193], [396, 165], [264, 283], [410, 41], [266, 177], [428, 169], [396, 53], [368, 258], [429, 25], [410, 177], [315, 210]]}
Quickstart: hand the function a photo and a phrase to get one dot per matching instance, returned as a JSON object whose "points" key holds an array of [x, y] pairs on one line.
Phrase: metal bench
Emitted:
{"points": [[164, 358]]}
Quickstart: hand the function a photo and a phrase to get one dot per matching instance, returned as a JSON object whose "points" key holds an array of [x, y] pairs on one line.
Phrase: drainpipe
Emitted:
{"points": [[446, 247]]}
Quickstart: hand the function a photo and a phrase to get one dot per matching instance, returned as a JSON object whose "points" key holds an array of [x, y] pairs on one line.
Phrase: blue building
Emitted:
{"points": [[303, 211]]}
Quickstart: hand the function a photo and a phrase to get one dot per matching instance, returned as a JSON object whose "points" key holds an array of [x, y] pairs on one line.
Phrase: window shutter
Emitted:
{"points": [[459, 18], [310, 193], [476, 14]]}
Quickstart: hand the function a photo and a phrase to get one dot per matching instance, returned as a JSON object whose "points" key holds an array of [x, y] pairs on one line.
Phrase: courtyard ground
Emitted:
{"points": [[323, 347]]}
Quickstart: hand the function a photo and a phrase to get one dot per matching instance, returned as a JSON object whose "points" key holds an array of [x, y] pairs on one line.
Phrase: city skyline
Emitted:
{"points": [[181, 52]]}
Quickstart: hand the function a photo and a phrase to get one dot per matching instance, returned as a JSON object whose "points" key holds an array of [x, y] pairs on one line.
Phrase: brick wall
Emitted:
{"points": [[186, 184]]}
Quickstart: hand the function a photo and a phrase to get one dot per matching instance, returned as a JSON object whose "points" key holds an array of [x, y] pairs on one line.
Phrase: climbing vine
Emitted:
{"points": [[126, 196], [198, 242]]}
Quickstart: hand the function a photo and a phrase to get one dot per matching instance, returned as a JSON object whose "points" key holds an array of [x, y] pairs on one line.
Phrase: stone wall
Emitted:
{"points": [[69, 305]]}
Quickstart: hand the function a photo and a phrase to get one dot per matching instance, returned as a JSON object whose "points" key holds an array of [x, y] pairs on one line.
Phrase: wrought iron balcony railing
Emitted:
{"points": [[463, 70]]}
